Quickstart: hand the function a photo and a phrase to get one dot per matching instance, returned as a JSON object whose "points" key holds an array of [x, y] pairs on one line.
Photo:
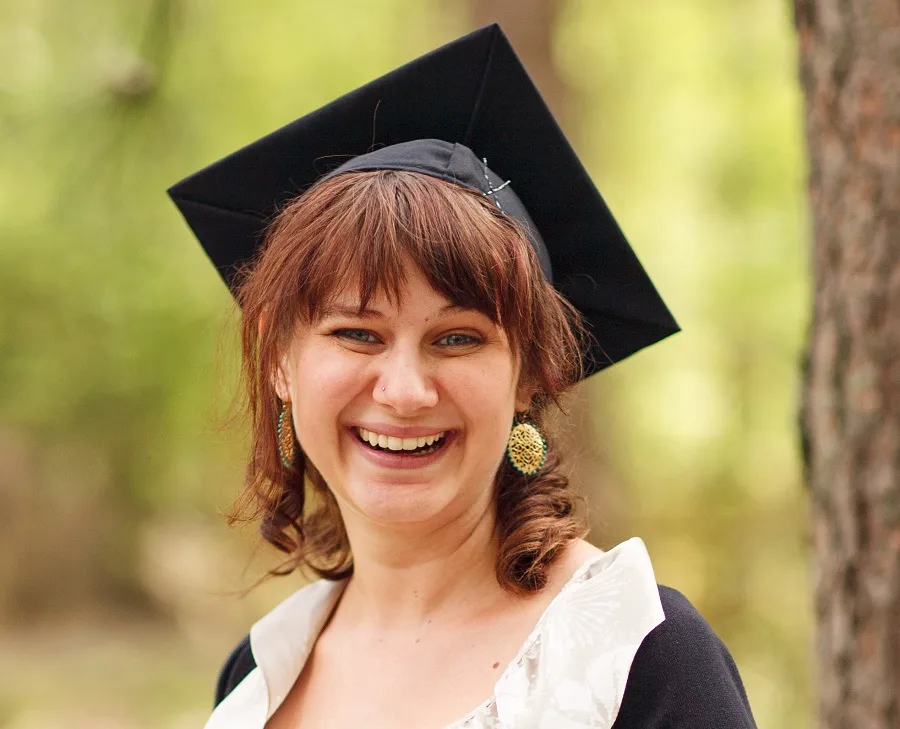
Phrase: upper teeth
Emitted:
{"points": [[398, 444]]}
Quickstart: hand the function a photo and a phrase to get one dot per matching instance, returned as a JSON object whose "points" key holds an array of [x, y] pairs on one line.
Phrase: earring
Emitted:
{"points": [[526, 449], [286, 435]]}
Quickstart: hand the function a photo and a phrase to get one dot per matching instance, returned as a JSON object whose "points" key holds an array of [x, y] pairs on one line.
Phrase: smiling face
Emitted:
{"points": [[419, 369], [373, 307]]}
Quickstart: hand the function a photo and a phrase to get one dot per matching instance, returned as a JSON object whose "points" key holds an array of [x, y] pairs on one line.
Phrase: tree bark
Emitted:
{"points": [[850, 417]]}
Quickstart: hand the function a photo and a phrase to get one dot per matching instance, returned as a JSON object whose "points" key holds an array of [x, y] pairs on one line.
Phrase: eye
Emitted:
{"points": [[458, 339], [359, 336]]}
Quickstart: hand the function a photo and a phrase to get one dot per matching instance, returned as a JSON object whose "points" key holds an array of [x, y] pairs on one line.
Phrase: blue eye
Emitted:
{"points": [[459, 340], [360, 336]]}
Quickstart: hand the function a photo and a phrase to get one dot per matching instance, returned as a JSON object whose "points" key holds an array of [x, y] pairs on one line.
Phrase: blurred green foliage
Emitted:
{"points": [[117, 348]]}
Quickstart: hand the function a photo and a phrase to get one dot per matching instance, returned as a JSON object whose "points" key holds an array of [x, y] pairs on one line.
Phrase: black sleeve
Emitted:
{"points": [[238, 665], [683, 677]]}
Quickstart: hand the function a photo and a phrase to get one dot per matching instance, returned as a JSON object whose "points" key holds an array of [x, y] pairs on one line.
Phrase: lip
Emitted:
{"points": [[401, 431], [396, 459]]}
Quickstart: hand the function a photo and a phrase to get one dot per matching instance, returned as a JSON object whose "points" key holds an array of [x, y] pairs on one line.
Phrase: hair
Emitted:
{"points": [[361, 229]]}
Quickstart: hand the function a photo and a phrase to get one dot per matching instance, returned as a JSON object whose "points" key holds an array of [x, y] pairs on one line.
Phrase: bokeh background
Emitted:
{"points": [[121, 587]]}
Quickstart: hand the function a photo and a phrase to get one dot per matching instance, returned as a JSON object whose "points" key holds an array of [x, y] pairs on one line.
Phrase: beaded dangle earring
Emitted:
{"points": [[286, 435], [526, 449]]}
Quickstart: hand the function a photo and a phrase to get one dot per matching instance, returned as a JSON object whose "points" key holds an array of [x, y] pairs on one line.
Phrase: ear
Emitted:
{"points": [[524, 396], [282, 381], [282, 385]]}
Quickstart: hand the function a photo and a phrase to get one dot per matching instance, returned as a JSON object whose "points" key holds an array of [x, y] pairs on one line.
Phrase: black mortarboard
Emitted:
{"points": [[467, 112]]}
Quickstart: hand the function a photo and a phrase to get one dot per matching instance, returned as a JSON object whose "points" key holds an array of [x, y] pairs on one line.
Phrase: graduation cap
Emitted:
{"points": [[466, 112]]}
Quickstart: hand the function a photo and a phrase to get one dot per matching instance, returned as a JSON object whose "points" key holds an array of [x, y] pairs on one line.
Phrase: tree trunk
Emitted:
{"points": [[850, 69]]}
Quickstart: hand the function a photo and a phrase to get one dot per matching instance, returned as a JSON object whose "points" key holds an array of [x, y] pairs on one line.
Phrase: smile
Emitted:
{"points": [[420, 445]]}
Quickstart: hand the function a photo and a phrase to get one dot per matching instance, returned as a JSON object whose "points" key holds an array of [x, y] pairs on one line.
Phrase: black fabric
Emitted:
{"points": [[236, 668], [682, 677], [473, 92]]}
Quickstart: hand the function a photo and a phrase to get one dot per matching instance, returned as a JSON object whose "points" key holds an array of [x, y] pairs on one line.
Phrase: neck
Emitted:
{"points": [[402, 580]]}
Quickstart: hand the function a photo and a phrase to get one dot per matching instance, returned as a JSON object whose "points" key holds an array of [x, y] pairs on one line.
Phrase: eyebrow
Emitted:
{"points": [[350, 312], [367, 313]]}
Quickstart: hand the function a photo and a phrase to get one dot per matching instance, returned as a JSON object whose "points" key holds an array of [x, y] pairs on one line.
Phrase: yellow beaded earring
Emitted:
{"points": [[286, 435], [526, 449]]}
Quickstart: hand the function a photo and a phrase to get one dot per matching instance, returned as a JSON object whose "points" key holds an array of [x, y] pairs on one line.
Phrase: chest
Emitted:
{"points": [[398, 682]]}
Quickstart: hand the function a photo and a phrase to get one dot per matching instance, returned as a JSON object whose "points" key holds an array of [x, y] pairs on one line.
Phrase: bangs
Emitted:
{"points": [[360, 232]]}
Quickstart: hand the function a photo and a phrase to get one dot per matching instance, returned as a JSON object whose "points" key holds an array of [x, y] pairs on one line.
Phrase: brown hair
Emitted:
{"points": [[359, 229]]}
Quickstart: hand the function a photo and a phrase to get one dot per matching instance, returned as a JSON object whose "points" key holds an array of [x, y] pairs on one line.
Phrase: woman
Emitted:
{"points": [[407, 323]]}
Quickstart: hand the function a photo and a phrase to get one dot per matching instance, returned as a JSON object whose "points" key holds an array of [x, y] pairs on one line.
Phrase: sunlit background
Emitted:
{"points": [[120, 583]]}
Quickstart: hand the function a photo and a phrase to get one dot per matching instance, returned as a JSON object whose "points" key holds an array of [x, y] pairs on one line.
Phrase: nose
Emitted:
{"points": [[405, 383]]}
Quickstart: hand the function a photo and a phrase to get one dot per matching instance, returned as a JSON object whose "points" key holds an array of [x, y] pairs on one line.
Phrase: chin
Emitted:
{"points": [[402, 504]]}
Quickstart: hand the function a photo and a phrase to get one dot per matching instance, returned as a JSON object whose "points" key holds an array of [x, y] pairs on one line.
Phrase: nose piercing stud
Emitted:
{"points": [[382, 388]]}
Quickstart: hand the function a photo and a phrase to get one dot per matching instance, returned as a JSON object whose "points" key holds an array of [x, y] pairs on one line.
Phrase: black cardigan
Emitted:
{"points": [[683, 677]]}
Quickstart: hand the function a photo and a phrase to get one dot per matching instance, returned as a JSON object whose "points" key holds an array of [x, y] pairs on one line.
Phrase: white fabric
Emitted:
{"points": [[569, 674]]}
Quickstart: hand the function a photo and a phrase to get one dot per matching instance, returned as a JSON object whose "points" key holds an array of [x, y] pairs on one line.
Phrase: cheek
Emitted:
{"points": [[486, 395], [322, 383]]}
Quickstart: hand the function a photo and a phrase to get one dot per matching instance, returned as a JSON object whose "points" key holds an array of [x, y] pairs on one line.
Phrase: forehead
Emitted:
{"points": [[415, 296], [408, 287]]}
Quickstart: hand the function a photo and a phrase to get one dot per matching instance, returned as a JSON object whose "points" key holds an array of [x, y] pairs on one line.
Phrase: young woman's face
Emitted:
{"points": [[433, 386]]}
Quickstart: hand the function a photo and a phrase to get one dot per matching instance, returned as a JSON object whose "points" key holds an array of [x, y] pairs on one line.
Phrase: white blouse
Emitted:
{"points": [[570, 672]]}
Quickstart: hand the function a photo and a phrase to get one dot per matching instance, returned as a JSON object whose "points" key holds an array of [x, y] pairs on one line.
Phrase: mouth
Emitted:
{"points": [[423, 445]]}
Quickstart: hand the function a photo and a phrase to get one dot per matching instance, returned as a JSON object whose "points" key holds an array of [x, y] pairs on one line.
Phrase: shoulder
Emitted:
{"points": [[279, 641], [236, 667], [683, 675]]}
